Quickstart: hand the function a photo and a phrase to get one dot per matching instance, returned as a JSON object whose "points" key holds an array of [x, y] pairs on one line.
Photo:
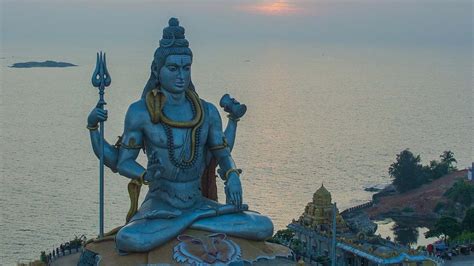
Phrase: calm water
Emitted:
{"points": [[316, 114], [411, 235]]}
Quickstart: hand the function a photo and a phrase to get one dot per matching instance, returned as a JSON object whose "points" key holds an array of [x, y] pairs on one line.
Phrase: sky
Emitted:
{"points": [[31, 24]]}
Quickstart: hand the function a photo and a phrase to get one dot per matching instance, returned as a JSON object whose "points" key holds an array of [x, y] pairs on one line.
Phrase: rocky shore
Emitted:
{"points": [[419, 207]]}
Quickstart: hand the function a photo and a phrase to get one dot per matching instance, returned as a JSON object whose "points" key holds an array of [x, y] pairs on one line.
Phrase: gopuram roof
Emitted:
{"points": [[322, 196]]}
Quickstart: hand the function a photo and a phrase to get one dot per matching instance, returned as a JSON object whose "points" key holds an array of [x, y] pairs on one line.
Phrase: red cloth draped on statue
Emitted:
{"points": [[208, 181]]}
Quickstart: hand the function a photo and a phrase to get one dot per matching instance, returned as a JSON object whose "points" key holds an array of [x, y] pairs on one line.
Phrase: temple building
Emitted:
{"points": [[318, 213], [313, 230]]}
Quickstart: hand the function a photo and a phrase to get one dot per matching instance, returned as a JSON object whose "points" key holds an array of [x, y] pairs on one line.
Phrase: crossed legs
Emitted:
{"points": [[147, 234]]}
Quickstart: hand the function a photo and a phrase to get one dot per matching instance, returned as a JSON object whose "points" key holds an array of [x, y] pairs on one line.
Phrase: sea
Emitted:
{"points": [[319, 112]]}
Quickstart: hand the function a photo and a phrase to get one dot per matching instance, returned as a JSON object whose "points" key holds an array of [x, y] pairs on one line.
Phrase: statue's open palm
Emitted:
{"points": [[233, 191]]}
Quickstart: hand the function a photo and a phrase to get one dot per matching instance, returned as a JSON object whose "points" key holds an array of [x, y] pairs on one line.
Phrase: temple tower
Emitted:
{"points": [[318, 213]]}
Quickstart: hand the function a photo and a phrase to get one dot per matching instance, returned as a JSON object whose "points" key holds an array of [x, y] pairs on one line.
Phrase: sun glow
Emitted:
{"points": [[274, 8]]}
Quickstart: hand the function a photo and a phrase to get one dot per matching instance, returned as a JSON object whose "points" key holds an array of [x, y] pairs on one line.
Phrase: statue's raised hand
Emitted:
{"points": [[233, 190], [96, 115], [235, 109]]}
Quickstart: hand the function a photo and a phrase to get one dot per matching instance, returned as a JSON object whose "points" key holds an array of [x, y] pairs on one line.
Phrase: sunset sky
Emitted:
{"points": [[358, 22]]}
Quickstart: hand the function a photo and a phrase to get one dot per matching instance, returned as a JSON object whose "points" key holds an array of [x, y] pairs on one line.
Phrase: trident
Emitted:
{"points": [[100, 80]]}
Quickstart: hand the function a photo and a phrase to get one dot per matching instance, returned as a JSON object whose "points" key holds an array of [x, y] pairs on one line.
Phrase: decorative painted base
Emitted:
{"points": [[192, 247]]}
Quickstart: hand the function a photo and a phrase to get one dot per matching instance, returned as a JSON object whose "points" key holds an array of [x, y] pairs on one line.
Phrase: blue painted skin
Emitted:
{"points": [[174, 201], [97, 115]]}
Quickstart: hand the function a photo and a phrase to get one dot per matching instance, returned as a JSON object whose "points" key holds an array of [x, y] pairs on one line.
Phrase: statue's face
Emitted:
{"points": [[175, 75]]}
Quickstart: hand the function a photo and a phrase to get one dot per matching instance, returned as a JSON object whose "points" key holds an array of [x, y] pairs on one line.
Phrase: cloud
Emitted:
{"points": [[272, 8]]}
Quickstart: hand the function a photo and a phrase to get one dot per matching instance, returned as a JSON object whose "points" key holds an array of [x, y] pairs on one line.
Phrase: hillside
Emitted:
{"points": [[420, 202]]}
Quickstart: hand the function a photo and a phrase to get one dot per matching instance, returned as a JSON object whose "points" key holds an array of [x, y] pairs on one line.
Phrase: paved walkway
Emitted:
{"points": [[68, 260], [461, 260]]}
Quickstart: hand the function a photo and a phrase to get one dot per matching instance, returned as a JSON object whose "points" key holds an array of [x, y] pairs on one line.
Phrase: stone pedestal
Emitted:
{"points": [[193, 247]]}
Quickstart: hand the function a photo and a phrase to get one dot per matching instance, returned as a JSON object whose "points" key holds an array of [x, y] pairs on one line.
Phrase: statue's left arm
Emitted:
{"points": [[219, 148]]}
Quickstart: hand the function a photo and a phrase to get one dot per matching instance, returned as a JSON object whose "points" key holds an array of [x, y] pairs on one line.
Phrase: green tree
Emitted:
{"points": [[445, 166], [297, 246], [407, 172], [324, 260], [468, 221], [405, 234], [447, 159], [283, 236], [436, 170], [447, 226], [462, 191], [439, 169], [465, 237], [428, 174]]}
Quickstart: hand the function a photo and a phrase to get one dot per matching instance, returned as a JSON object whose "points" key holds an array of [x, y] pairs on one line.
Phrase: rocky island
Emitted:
{"points": [[47, 63]]}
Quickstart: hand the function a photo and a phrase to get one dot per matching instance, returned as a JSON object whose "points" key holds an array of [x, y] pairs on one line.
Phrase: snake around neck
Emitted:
{"points": [[155, 101]]}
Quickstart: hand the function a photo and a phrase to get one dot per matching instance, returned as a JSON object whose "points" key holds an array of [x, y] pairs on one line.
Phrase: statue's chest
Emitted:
{"points": [[158, 135], [165, 136]]}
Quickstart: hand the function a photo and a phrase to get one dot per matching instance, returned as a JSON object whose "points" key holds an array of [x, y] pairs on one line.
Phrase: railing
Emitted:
{"points": [[357, 208], [64, 249], [439, 261]]}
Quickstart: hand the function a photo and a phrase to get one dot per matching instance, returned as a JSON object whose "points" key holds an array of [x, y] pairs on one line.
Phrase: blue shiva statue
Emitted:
{"points": [[182, 137]]}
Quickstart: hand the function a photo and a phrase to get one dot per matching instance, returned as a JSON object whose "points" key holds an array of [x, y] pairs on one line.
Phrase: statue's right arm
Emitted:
{"points": [[132, 142], [110, 152]]}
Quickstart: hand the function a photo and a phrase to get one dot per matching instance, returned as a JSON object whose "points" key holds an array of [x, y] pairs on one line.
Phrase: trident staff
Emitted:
{"points": [[100, 80]]}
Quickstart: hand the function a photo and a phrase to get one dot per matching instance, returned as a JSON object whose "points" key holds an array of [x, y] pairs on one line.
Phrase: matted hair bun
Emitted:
{"points": [[173, 22], [173, 35]]}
